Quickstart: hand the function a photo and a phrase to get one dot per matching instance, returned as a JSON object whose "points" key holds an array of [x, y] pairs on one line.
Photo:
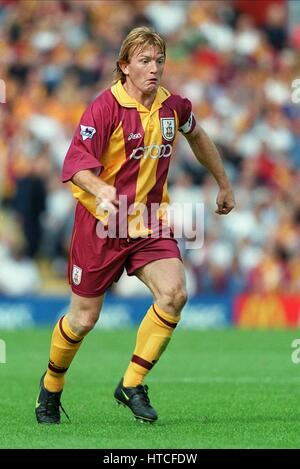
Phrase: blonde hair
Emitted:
{"points": [[137, 38]]}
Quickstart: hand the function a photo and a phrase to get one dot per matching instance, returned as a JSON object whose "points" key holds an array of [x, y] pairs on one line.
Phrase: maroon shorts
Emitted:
{"points": [[95, 263]]}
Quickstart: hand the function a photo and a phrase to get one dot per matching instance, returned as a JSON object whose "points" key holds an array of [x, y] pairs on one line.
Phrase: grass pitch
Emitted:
{"points": [[213, 389]]}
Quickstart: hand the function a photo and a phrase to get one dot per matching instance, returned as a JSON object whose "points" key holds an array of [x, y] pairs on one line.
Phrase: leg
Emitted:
{"points": [[83, 313], [166, 280], [67, 338]]}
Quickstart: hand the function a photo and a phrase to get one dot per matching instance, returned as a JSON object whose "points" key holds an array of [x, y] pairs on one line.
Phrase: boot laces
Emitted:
{"points": [[143, 393], [53, 404]]}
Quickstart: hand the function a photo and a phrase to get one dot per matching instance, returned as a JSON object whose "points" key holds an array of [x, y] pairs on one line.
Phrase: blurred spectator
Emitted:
{"points": [[276, 25], [57, 223], [18, 275], [29, 203]]}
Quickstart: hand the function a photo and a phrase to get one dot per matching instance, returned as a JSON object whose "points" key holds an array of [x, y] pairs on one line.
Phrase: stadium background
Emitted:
{"points": [[236, 60]]}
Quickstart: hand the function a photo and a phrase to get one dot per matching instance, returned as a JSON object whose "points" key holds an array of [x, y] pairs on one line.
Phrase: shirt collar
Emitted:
{"points": [[127, 101]]}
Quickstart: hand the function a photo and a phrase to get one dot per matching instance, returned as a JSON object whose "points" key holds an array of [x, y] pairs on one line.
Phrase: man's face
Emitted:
{"points": [[145, 69]]}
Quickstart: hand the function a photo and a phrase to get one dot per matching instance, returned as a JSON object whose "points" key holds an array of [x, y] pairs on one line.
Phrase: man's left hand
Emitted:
{"points": [[225, 201]]}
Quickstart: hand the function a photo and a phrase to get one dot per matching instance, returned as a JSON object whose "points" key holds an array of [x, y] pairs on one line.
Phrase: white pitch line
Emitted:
{"points": [[223, 379]]}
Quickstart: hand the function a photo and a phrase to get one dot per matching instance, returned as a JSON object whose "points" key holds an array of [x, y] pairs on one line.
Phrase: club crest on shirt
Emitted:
{"points": [[76, 275], [87, 131], [168, 128]]}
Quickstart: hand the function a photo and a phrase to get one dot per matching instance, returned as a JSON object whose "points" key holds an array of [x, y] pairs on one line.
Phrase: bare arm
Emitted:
{"points": [[106, 195], [207, 154]]}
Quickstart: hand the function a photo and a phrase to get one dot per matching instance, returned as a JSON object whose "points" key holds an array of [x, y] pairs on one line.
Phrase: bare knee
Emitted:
{"points": [[83, 315], [83, 324], [173, 299]]}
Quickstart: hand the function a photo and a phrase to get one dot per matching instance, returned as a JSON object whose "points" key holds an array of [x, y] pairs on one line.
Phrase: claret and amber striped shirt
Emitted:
{"points": [[128, 145]]}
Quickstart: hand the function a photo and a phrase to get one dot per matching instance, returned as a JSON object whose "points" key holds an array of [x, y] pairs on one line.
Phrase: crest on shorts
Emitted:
{"points": [[87, 131], [168, 127], [76, 275]]}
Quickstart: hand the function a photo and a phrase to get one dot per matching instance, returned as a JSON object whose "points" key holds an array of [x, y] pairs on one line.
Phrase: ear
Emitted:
{"points": [[124, 67]]}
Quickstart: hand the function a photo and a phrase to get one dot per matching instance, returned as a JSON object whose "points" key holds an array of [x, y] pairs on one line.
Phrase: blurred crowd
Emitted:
{"points": [[236, 66]]}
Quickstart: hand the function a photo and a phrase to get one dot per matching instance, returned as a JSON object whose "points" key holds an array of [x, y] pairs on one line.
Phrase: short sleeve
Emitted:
{"points": [[89, 141], [187, 119]]}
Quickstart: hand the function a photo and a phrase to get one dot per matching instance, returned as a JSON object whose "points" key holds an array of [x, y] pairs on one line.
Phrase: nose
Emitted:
{"points": [[154, 67]]}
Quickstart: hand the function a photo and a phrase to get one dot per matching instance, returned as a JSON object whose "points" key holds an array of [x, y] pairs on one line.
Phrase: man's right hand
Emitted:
{"points": [[106, 195], [106, 200]]}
